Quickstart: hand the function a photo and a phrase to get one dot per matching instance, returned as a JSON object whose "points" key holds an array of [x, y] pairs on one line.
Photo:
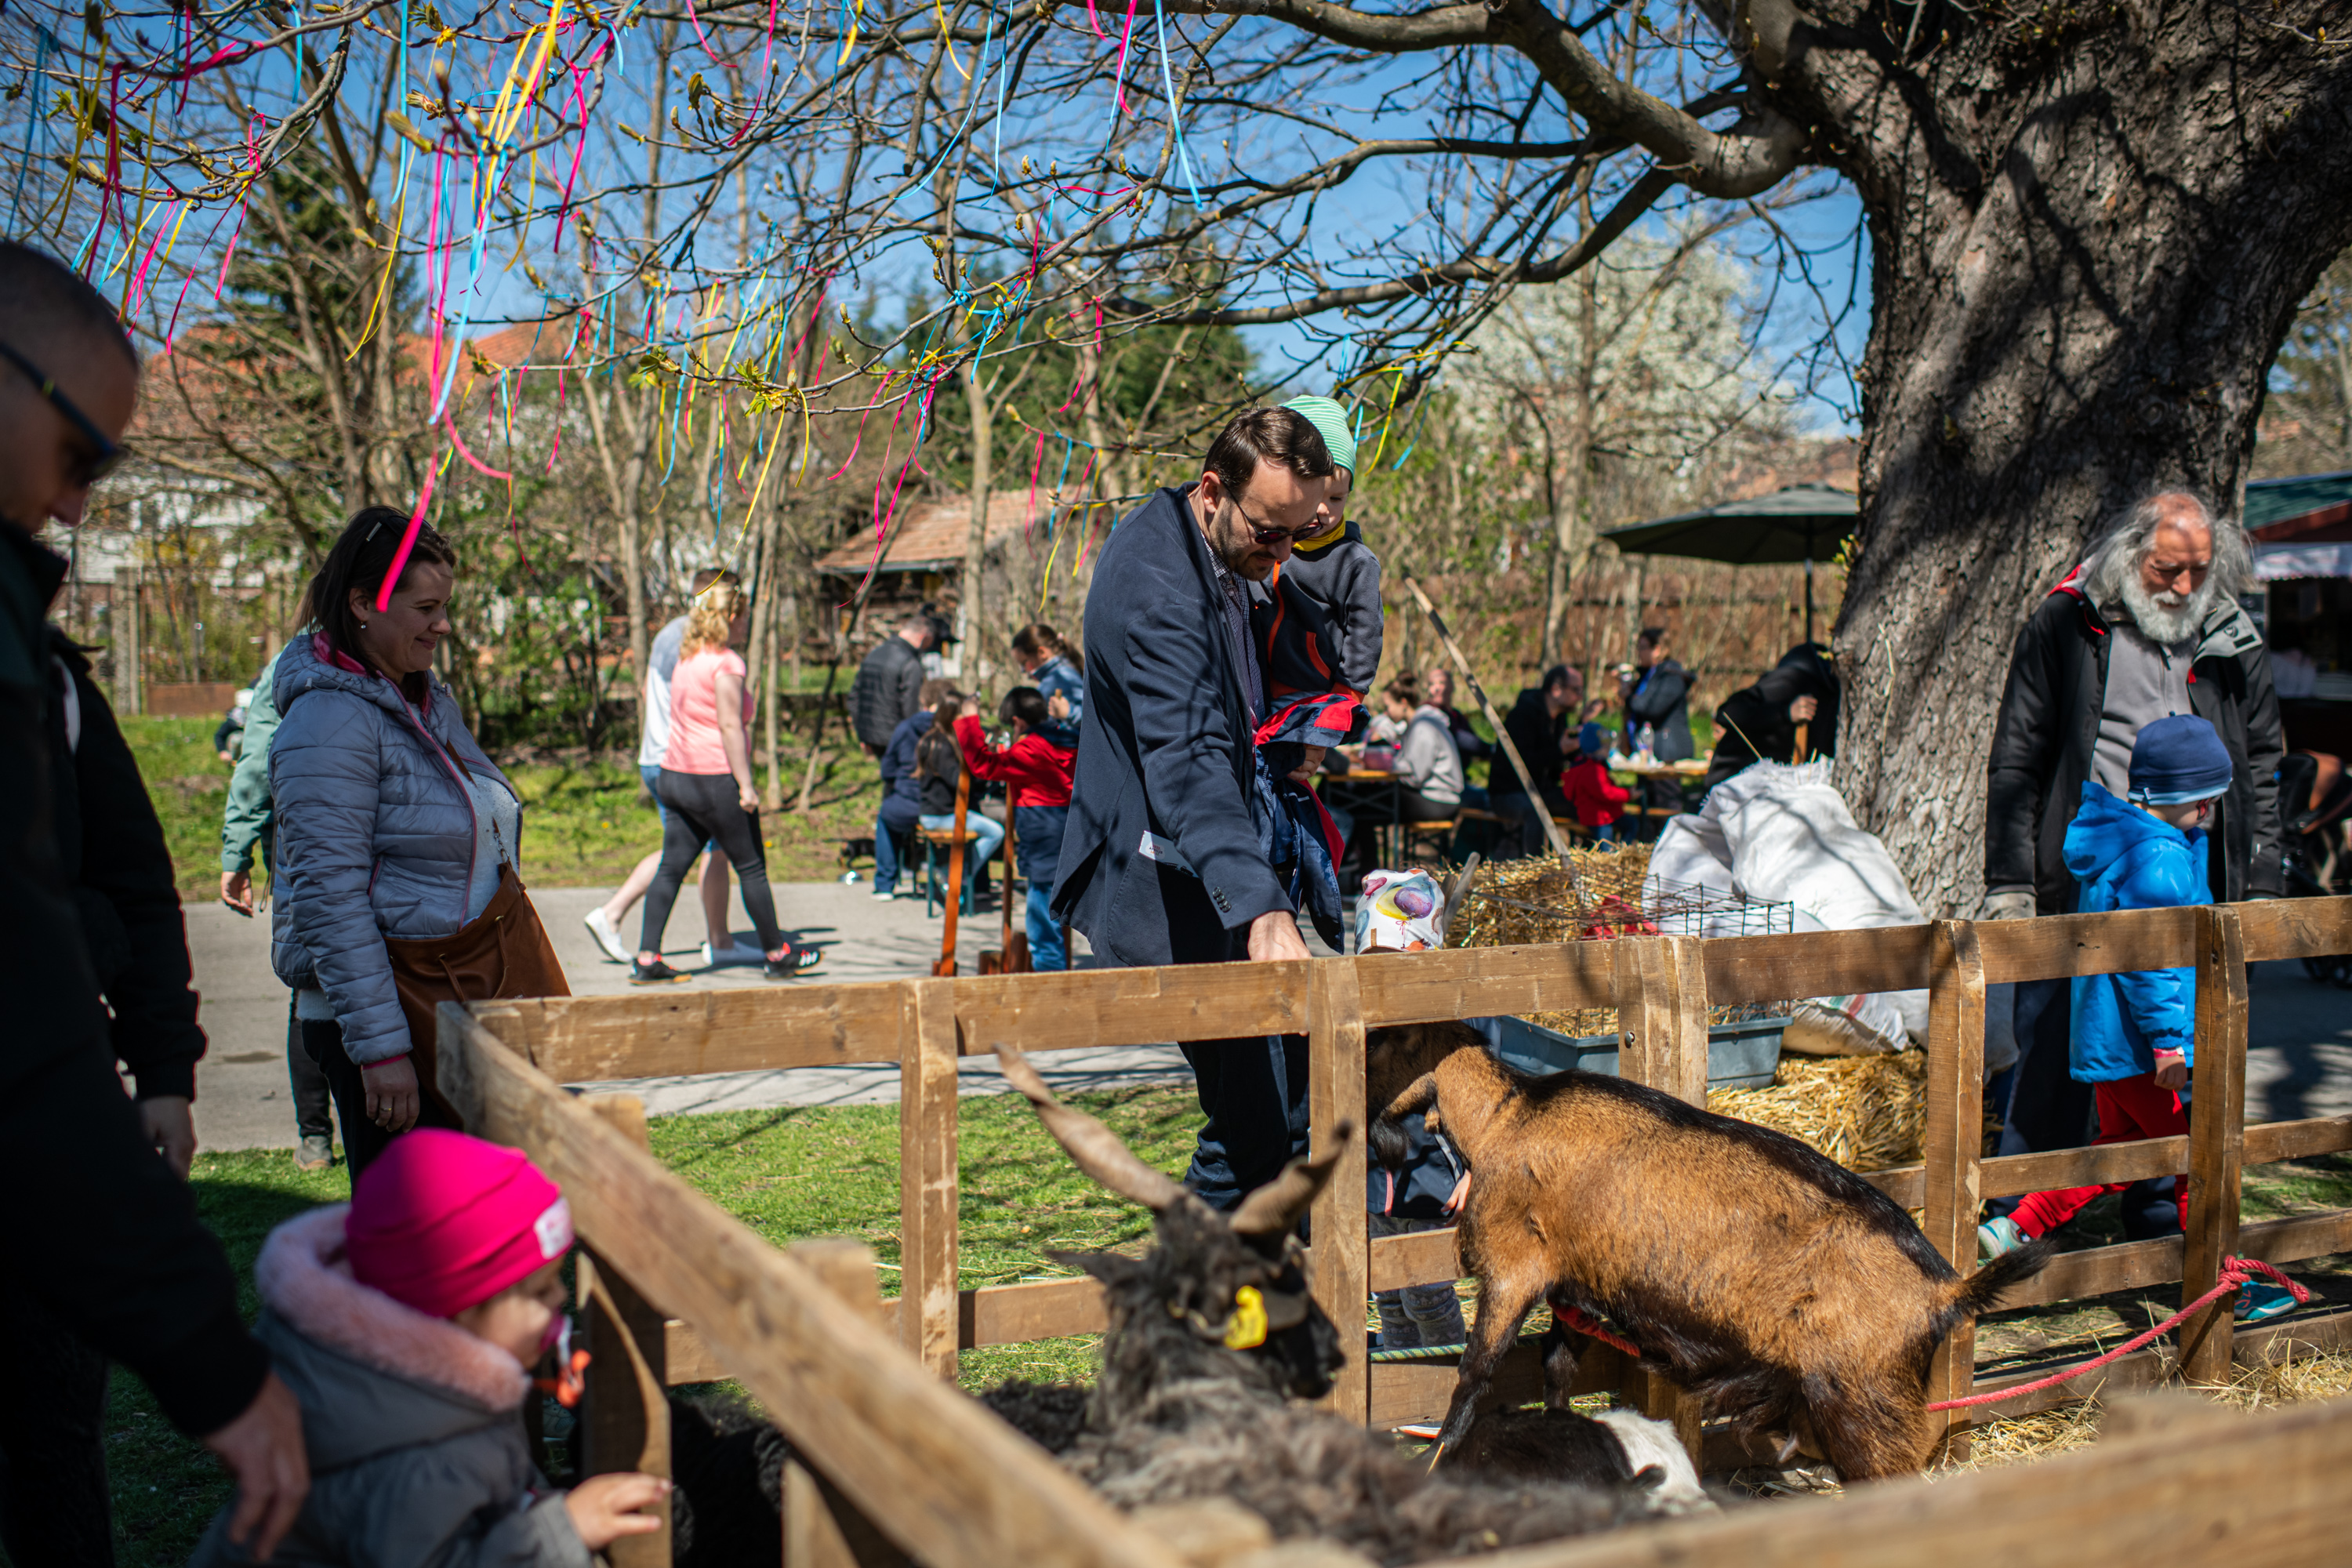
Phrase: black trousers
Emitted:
{"points": [[1254, 1091], [703, 808], [313, 1117], [54, 1507], [363, 1139]]}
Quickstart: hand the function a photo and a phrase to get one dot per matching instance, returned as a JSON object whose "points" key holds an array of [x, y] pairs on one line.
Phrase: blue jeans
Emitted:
{"points": [[1045, 930], [885, 858], [987, 832]]}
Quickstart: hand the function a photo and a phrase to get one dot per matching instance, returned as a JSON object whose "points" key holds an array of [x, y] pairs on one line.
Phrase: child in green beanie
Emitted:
{"points": [[1318, 619]]}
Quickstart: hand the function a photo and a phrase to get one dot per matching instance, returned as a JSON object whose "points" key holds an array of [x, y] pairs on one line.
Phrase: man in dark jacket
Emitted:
{"points": [[1538, 725], [890, 683], [2147, 626], [1759, 723], [1161, 861], [112, 1247]]}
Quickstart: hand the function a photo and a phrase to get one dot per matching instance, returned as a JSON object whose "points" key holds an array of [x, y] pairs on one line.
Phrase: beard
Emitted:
{"points": [[2167, 618]]}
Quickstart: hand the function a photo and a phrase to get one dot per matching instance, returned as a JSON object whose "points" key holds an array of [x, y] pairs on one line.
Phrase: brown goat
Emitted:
{"points": [[1776, 1286]]}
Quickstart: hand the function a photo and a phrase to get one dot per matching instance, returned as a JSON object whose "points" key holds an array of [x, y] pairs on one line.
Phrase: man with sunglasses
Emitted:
{"points": [[1161, 861], [110, 1252]]}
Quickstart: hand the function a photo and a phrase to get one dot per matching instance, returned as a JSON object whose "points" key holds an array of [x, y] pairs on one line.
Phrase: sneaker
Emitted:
{"points": [[1999, 1238], [884, 895], [734, 955], [797, 961], [315, 1155], [655, 973], [2259, 1299], [608, 936]]}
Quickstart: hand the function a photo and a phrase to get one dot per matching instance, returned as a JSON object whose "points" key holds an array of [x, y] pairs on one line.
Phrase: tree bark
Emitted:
{"points": [[2087, 247]]}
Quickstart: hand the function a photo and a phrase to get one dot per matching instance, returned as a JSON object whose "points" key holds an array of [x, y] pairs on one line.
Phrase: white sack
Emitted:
{"points": [[1791, 840]]}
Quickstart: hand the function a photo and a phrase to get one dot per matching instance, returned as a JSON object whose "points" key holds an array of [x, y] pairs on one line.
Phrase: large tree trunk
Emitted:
{"points": [[2086, 251]]}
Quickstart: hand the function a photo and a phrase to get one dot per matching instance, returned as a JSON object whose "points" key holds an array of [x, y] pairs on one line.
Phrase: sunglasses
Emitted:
{"points": [[89, 467], [1272, 535]]}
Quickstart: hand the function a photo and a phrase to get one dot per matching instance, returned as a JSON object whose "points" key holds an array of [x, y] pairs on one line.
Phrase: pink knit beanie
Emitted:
{"points": [[441, 1222]]}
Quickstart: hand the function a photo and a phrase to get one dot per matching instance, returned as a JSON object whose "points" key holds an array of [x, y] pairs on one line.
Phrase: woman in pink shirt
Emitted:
{"points": [[706, 782]]}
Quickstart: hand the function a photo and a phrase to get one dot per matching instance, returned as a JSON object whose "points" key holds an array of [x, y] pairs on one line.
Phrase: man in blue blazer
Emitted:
{"points": [[1161, 861]]}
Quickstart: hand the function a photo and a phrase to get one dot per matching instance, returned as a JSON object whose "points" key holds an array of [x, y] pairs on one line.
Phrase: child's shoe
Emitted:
{"points": [[1998, 1238], [2259, 1299]]}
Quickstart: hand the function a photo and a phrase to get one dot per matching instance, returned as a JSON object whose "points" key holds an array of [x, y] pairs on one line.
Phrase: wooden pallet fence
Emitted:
{"points": [[1661, 988]]}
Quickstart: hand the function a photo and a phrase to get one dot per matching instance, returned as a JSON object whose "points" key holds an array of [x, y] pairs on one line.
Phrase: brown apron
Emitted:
{"points": [[502, 952]]}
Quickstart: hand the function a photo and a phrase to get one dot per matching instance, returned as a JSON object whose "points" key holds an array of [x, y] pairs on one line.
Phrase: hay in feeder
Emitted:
{"points": [[1867, 1113]]}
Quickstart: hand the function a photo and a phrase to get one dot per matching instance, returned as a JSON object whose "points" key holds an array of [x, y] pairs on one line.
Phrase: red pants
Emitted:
{"points": [[2130, 1111]]}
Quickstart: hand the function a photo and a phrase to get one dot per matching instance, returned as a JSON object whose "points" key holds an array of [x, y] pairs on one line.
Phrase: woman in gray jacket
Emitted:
{"points": [[390, 823]]}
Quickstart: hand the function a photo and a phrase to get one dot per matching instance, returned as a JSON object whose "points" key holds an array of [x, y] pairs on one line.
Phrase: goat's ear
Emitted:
{"points": [[1386, 1143], [1274, 1207], [1419, 1095], [1110, 1268]]}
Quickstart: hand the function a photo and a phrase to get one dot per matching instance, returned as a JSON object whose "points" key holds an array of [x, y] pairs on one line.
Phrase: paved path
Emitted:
{"points": [[2299, 1064]]}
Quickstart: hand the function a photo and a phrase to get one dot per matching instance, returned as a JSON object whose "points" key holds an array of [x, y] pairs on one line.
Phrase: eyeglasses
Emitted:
{"points": [[91, 467], [1264, 535]]}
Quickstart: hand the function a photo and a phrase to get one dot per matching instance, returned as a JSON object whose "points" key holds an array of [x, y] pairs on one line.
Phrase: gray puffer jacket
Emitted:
{"points": [[414, 1426], [375, 834]]}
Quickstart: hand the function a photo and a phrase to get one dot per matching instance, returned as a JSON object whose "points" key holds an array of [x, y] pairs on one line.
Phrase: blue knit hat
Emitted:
{"points": [[1330, 421], [2179, 758], [1592, 741]]}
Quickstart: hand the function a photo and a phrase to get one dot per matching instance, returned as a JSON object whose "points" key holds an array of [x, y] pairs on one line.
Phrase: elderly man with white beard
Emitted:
{"points": [[2147, 626]]}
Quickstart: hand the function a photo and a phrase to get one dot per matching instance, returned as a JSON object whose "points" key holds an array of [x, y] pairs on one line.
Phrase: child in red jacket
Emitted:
{"points": [[1598, 804], [1036, 773]]}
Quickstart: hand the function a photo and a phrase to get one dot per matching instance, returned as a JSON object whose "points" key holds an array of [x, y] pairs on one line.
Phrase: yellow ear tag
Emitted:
{"points": [[1246, 1329]]}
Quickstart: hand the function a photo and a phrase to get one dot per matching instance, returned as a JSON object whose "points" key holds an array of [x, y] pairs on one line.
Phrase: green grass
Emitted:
{"points": [[586, 822], [791, 1174]]}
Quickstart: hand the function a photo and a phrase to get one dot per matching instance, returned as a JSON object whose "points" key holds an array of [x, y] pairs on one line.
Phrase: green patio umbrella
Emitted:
{"points": [[1796, 522]]}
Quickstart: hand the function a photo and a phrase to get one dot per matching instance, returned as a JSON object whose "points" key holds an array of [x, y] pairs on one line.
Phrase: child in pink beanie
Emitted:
{"points": [[405, 1322]]}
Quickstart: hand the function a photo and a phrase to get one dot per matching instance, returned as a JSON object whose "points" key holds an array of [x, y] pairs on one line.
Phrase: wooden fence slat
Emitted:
{"points": [[1661, 1001], [928, 1177], [624, 1405], [2237, 1490], [1954, 1146], [822, 1528], [1068, 1009], [2005, 1175], [1480, 981], [2217, 1137], [1339, 1226], [951, 1484], [1816, 963]]}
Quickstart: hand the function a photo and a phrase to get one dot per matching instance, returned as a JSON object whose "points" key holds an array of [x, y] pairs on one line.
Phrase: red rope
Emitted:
{"points": [[1573, 1318], [2234, 1271]]}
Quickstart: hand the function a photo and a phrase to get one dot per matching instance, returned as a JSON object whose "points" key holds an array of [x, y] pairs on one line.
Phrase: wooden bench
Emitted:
{"points": [[936, 843]]}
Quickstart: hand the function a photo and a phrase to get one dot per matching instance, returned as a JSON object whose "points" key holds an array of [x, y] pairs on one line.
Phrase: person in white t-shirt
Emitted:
{"points": [[603, 922]]}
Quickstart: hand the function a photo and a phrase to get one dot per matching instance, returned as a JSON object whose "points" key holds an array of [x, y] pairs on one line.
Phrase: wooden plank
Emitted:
{"points": [[2236, 1490], [624, 1405], [2136, 1265], [2057, 946], [822, 1528], [1483, 981], [1816, 963], [1954, 1147], [2216, 1138], [1335, 1081], [1036, 1310], [928, 1177], [1081, 1008], [1423, 1257], [949, 1484], [679, 1030], [1662, 1000], [2007, 1175], [1405, 1391]]}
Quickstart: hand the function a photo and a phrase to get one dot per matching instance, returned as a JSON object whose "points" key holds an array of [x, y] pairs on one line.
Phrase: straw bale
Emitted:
{"points": [[1868, 1113]]}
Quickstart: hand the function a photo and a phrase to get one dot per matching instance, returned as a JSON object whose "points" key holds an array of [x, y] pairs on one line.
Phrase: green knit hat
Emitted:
{"points": [[1331, 421]]}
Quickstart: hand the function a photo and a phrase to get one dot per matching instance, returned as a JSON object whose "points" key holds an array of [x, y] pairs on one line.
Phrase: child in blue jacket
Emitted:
{"points": [[2134, 1033]]}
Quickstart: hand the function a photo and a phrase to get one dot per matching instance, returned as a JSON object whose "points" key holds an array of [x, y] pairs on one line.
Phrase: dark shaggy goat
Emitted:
{"points": [[1191, 1405], [1780, 1288]]}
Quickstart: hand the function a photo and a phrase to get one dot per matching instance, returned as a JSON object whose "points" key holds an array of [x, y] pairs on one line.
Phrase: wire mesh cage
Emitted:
{"points": [[1599, 894]]}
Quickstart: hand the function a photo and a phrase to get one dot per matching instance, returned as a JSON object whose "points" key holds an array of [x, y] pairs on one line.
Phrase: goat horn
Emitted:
{"points": [[1094, 1147], [1274, 1207]]}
